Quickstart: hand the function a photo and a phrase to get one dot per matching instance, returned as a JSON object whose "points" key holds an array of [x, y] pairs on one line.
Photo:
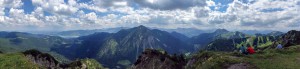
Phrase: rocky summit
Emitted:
{"points": [[155, 59]]}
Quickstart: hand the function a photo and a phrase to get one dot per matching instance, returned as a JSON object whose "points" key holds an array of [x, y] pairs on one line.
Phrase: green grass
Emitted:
{"points": [[19, 61], [6, 46], [16, 61], [278, 61], [41, 44], [288, 58], [213, 60], [263, 45]]}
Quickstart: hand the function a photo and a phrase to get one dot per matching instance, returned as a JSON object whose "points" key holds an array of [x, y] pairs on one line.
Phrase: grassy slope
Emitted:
{"points": [[16, 61], [277, 59], [211, 60], [7, 47], [269, 59], [19, 61], [281, 61]]}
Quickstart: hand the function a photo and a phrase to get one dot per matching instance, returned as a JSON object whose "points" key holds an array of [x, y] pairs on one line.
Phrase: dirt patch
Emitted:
{"points": [[242, 66]]}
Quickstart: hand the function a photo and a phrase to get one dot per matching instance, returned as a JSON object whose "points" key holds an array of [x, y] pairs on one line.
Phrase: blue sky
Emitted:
{"points": [[59, 15]]}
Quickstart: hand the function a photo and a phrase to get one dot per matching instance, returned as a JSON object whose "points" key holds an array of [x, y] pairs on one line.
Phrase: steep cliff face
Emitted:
{"points": [[154, 59]]}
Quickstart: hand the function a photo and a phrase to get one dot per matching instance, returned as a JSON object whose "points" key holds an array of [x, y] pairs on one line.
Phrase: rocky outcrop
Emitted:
{"points": [[42, 59], [291, 38], [45, 60], [154, 59], [84, 64]]}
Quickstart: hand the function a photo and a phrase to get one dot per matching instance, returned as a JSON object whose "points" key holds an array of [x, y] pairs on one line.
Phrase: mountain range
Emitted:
{"points": [[122, 48], [124, 45], [210, 59], [78, 33], [189, 32]]}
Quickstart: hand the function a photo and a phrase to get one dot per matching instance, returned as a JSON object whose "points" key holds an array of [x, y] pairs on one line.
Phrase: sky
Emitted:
{"points": [[56, 15]]}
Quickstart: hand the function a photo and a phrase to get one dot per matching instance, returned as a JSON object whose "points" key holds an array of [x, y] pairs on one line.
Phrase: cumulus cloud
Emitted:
{"points": [[16, 12], [169, 4], [95, 14], [57, 7], [249, 15], [110, 3], [11, 3]]}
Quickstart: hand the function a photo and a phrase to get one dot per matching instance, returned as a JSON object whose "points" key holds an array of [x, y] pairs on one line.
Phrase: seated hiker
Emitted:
{"points": [[243, 50], [250, 50], [279, 46]]}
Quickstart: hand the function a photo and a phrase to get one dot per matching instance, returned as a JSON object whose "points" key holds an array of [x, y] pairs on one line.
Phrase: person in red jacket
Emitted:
{"points": [[250, 50]]}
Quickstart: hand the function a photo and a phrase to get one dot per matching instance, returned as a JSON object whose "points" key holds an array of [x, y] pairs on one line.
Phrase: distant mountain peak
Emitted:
{"points": [[141, 27], [221, 31], [275, 33]]}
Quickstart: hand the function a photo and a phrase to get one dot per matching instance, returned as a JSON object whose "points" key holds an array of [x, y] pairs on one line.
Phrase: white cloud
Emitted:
{"points": [[57, 7], [11, 3], [92, 7], [91, 16], [72, 2], [242, 16], [168, 4], [16, 12], [210, 3], [158, 13]]}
